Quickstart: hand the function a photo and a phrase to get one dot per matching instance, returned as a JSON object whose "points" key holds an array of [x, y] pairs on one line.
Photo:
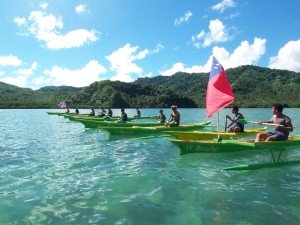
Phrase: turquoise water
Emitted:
{"points": [[54, 171]]}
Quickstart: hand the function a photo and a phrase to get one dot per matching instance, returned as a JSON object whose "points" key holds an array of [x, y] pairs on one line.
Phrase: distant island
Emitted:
{"points": [[253, 86]]}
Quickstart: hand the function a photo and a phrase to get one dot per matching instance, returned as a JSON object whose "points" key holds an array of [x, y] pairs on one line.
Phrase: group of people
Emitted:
{"points": [[101, 114], [282, 124]]}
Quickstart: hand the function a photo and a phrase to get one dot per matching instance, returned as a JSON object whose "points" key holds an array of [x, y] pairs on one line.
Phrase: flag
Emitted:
{"points": [[218, 93], [62, 105]]}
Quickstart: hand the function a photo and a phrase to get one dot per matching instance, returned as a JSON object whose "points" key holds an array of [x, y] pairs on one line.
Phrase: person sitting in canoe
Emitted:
{"points": [[123, 118], [77, 111], [161, 117], [109, 112], [237, 127], [92, 113], [102, 113], [174, 119], [67, 110], [281, 131], [138, 113]]}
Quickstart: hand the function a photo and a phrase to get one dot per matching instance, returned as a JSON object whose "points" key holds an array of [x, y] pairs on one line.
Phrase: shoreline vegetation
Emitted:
{"points": [[253, 87]]}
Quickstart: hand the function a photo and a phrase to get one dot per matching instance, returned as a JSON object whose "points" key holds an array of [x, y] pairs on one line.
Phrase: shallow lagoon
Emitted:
{"points": [[54, 171]]}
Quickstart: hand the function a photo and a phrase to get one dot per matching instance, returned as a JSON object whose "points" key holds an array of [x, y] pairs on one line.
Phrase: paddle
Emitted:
{"points": [[243, 121], [226, 124]]}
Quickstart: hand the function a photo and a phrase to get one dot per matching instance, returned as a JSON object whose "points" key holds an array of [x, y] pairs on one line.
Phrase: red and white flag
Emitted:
{"points": [[62, 105], [219, 93]]}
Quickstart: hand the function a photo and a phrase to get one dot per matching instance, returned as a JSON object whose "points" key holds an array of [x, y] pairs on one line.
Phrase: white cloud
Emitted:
{"points": [[34, 65], [46, 28], [81, 9], [244, 54], [183, 19], [288, 57], [2, 73], [75, 38], [122, 62], [217, 33], [20, 81], [25, 72], [44, 5], [10, 61], [158, 48], [29, 71], [225, 4], [77, 78], [20, 21], [179, 67]]}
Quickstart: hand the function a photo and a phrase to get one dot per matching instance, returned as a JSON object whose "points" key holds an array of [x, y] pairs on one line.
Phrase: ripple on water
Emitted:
{"points": [[54, 171]]}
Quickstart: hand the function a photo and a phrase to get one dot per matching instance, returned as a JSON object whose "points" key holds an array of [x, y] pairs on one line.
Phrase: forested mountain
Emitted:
{"points": [[253, 87], [118, 94], [48, 97]]}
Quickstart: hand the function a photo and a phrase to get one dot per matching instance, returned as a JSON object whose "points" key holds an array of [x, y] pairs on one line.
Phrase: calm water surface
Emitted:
{"points": [[54, 171]]}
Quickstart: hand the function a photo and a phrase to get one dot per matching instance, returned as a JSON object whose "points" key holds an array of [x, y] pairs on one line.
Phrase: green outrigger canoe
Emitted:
{"points": [[66, 114], [60, 113], [201, 135], [103, 123], [138, 130], [97, 118], [213, 146]]}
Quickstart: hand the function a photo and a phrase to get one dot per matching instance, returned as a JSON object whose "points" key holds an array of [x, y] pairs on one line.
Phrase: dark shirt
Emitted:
{"points": [[110, 113], [124, 116]]}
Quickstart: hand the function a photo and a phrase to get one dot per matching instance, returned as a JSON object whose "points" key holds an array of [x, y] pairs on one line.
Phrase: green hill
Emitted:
{"points": [[118, 94], [48, 97], [253, 87]]}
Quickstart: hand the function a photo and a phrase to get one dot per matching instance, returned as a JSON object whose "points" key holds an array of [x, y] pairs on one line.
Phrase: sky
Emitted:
{"points": [[78, 42]]}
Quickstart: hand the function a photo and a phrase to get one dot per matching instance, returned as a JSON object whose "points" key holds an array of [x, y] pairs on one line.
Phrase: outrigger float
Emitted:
{"points": [[227, 146]]}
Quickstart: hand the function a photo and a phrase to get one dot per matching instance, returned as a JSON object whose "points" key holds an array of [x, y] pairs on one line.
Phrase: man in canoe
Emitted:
{"points": [[237, 127], [92, 113], [102, 113], [283, 125], [137, 113], [123, 118], [161, 117], [109, 112], [174, 120]]}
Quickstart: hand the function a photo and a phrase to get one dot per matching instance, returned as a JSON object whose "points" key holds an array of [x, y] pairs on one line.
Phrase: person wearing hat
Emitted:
{"points": [[174, 120], [161, 117]]}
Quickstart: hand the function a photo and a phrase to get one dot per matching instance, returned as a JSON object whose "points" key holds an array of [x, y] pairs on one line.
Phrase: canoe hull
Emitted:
{"points": [[198, 135], [211, 146], [95, 124], [97, 118], [137, 130]]}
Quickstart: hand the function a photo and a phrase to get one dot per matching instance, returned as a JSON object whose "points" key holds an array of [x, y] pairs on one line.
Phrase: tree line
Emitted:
{"points": [[253, 86]]}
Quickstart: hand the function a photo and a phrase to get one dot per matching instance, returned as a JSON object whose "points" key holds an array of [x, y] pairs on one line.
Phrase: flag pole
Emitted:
{"points": [[218, 124]]}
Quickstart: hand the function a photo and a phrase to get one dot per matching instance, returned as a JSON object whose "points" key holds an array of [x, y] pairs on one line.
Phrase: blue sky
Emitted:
{"points": [[75, 43]]}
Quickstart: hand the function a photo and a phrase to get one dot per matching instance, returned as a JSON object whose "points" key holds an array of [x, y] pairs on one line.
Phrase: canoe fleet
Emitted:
{"points": [[190, 138]]}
